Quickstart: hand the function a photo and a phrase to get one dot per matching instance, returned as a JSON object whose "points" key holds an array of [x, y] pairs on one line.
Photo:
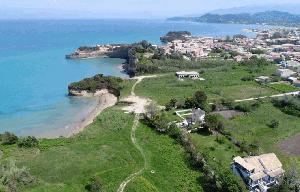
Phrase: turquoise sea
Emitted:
{"points": [[34, 73]]}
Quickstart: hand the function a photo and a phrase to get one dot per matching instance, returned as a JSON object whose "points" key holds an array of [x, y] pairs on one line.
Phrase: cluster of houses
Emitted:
{"points": [[196, 47], [275, 43], [280, 45]]}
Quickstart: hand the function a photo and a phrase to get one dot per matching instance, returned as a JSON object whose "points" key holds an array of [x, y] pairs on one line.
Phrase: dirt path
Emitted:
{"points": [[138, 108], [272, 96], [137, 104], [133, 139]]}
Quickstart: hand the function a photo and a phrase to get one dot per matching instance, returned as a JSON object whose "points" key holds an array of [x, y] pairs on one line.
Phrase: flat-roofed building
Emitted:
{"points": [[189, 74]]}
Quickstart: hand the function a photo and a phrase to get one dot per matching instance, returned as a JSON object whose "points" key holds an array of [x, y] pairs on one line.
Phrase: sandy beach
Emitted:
{"points": [[105, 101]]}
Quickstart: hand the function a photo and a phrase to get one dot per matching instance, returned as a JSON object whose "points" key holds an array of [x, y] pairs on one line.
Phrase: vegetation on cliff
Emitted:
{"points": [[175, 35], [98, 82]]}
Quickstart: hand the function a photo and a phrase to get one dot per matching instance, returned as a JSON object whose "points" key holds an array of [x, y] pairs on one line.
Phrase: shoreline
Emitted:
{"points": [[105, 101]]}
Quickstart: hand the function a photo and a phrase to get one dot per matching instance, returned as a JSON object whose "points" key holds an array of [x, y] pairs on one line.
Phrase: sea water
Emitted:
{"points": [[34, 74]]}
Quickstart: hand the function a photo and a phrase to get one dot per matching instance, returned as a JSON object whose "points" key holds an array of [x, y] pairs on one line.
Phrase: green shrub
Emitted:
{"points": [[289, 105], [171, 104], [94, 185], [274, 123], [28, 142], [248, 78], [214, 123], [14, 179], [244, 107], [9, 138]]}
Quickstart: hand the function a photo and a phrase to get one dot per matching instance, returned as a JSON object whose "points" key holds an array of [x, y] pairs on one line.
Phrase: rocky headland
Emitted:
{"points": [[96, 86], [114, 51], [132, 53]]}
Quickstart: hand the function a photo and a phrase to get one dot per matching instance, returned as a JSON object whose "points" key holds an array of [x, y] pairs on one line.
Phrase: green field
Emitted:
{"points": [[219, 83], [104, 150], [167, 159], [253, 128], [283, 87]]}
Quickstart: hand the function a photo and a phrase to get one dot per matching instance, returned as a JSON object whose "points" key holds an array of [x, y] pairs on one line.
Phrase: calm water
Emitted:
{"points": [[34, 73]]}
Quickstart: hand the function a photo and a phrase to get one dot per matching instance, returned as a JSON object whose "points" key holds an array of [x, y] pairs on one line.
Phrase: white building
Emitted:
{"points": [[190, 74]]}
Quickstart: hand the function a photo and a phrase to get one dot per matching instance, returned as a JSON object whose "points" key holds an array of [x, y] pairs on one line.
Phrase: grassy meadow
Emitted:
{"points": [[219, 83], [254, 128], [104, 150], [168, 163]]}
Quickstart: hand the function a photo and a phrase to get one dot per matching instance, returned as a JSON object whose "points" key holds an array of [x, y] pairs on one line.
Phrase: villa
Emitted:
{"points": [[184, 74], [191, 116], [259, 172]]}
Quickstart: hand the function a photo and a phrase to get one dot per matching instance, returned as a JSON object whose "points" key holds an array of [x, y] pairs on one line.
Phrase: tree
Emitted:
{"points": [[230, 182], [160, 122], [9, 138], [151, 110], [290, 181], [174, 131], [171, 104], [199, 100], [189, 102], [214, 123]]}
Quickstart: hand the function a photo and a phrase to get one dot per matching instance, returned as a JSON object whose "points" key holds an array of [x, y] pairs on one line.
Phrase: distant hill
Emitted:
{"points": [[267, 17], [293, 8]]}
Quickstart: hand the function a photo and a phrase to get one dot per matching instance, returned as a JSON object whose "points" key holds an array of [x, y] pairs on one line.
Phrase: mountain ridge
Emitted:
{"points": [[266, 17]]}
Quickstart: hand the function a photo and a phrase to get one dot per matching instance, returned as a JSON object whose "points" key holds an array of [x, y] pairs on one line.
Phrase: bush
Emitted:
{"points": [[14, 179], [174, 131], [244, 107], [289, 105], [9, 138], [28, 142], [220, 139], [248, 78], [274, 123], [214, 123], [172, 104], [94, 185]]}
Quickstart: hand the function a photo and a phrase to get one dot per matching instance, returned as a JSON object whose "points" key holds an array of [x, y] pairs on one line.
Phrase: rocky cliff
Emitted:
{"points": [[96, 86]]}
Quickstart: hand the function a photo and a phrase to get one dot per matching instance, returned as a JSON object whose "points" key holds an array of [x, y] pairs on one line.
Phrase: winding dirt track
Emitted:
{"points": [[133, 134], [133, 139]]}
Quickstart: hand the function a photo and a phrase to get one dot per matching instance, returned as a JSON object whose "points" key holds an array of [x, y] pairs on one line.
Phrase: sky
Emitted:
{"points": [[118, 8]]}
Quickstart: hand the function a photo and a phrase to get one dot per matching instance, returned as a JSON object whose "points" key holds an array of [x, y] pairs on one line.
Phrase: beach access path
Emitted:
{"points": [[137, 106]]}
